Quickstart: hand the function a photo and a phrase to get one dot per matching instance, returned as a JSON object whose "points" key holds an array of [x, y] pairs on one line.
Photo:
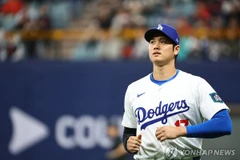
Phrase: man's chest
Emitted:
{"points": [[164, 106]]}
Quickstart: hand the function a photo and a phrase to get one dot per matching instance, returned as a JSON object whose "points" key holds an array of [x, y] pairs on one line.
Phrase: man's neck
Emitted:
{"points": [[163, 72]]}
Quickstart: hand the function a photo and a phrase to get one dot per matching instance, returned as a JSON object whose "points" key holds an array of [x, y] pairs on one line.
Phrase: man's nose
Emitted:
{"points": [[156, 47]]}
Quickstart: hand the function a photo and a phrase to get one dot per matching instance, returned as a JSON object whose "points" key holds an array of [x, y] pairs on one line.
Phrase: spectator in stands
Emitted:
{"points": [[27, 21], [11, 47], [233, 39], [11, 6], [43, 25], [90, 47]]}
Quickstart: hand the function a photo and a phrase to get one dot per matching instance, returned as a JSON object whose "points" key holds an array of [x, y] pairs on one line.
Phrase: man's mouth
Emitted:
{"points": [[156, 53]]}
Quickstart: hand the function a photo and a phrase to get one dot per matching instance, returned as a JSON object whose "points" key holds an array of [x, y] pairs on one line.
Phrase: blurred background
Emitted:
{"points": [[65, 66]]}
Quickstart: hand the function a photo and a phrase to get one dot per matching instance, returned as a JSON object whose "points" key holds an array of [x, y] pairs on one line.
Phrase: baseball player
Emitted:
{"points": [[169, 111]]}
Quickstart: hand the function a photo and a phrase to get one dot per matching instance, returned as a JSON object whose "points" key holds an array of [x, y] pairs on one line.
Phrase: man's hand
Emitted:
{"points": [[170, 132], [134, 143]]}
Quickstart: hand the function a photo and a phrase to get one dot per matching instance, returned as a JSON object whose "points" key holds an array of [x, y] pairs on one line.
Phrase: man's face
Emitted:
{"points": [[161, 50]]}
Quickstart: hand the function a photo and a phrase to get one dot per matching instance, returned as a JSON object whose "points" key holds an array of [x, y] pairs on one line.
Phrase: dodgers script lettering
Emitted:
{"points": [[161, 113]]}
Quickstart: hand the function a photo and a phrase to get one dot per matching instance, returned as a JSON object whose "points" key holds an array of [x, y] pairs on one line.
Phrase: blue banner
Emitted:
{"points": [[60, 110]]}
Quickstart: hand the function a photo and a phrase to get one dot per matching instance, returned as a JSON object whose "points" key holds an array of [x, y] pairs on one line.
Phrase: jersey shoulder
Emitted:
{"points": [[141, 81], [190, 78], [140, 84]]}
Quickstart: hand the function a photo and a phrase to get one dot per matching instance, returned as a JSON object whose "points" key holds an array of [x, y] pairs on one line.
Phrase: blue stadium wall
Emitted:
{"points": [[70, 104]]}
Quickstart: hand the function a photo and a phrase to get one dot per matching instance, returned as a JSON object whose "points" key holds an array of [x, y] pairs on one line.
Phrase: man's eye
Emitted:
{"points": [[151, 42], [163, 41]]}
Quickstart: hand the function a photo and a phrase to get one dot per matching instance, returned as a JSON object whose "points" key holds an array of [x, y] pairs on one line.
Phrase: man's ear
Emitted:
{"points": [[176, 50]]}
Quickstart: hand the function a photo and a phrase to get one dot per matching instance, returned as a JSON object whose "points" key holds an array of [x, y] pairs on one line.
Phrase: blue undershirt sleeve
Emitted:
{"points": [[219, 125]]}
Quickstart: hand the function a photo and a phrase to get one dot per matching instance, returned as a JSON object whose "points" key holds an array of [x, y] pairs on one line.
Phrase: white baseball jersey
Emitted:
{"points": [[184, 100]]}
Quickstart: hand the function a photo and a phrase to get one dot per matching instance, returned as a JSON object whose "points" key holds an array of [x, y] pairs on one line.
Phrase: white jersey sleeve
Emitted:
{"points": [[209, 101], [129, 120]]}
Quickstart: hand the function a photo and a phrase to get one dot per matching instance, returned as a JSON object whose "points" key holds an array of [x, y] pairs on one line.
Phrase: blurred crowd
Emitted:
{"points": [[113, 30]]}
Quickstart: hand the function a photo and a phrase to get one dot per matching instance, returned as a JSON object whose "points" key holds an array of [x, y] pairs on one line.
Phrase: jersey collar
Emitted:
{"points": [[164, 81]]}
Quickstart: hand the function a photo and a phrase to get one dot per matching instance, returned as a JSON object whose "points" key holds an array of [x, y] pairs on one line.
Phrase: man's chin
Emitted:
{"points": [[158, 62]]}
